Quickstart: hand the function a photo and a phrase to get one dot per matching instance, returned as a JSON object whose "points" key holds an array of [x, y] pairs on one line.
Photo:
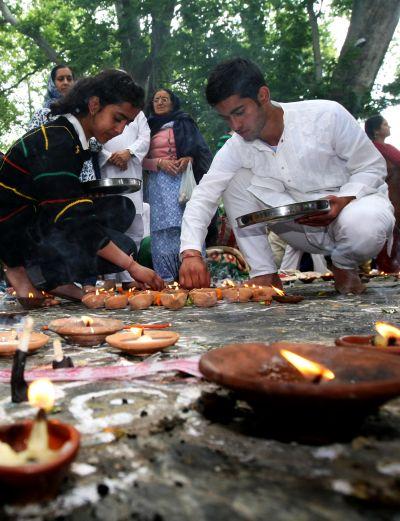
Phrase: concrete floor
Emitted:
{"points": [[172, 447]]}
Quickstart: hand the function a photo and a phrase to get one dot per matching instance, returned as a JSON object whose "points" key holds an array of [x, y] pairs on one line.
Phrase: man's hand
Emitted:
{"points": [[146, 276], [324, 219], [120, 159], [272, 279], [183, 163], [193, 273]]}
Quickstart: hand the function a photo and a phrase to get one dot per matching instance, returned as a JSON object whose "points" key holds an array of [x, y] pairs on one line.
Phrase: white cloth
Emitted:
{"points": [[136, 139], [322, 151]]}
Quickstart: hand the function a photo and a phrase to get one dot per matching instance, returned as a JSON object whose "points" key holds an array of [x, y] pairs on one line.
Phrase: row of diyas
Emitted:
{"points": [[176, 298]]}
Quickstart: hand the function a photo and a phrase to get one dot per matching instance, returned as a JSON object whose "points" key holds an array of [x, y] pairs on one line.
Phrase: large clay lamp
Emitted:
{"points": [[295, 402], [137, 341], [387, 340], [85, 330], [35, 455], [9, 341]]}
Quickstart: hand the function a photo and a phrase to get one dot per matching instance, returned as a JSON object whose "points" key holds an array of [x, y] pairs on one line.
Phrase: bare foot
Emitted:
{"points": [[271, 279], [347, 281], [68, 291]]}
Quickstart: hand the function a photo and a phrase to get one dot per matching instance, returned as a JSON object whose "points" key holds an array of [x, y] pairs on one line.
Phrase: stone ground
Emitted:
{"points": [[177, 448]]}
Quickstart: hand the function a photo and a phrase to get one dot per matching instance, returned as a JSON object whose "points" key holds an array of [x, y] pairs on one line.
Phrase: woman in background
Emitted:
{"points": [[175, 141]]}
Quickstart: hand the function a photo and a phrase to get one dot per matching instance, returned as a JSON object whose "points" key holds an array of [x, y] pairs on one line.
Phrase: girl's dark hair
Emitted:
{"points": [[176, 102], [60, 66], [237, 76], [110, 86], [372, 125]]}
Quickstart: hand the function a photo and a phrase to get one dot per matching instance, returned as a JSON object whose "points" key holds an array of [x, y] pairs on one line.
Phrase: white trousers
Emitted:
{"points": [[357, 234]]}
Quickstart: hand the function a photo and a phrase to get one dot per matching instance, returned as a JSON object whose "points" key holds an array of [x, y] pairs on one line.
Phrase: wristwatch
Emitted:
{"points": [[132, 153]]}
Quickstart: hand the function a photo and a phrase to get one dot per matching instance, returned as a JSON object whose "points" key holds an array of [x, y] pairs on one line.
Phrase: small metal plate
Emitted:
{"points": [[288, 212], [119, 185]]}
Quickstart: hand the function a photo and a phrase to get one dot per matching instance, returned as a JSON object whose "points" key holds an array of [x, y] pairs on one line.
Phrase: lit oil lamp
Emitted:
{"points": [[387, 339], [95, 299], [141, 300], [262, 293], [280, 296], [35, 456], [31, 302], [10, 339], [237, 294], [136, 341], [175, 300], [310, 370], [204, 297], [328, 401], [85, 330]]}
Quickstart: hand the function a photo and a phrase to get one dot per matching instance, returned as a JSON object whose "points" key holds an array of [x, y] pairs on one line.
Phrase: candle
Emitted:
{"points": [[60, 360], [18, 385]]}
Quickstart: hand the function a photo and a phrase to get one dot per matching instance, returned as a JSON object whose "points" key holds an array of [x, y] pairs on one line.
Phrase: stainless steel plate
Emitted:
{"points": [[119, 185], [288, 212]]}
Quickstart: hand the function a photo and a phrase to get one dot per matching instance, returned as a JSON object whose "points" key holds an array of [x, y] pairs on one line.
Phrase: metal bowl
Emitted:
{"points": [[288, 212], [119, 185]]}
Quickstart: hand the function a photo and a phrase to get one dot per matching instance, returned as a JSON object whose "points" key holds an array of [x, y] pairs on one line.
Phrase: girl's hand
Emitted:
{"points": [[146, 276]]}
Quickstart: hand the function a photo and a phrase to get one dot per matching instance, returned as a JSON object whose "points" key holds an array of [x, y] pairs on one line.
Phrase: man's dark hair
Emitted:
{"points": [[372, 125], [237, 76], [112, 87]]}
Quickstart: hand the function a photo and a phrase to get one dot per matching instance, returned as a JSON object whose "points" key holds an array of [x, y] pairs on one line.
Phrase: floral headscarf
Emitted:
{"points": [[52, 93]]}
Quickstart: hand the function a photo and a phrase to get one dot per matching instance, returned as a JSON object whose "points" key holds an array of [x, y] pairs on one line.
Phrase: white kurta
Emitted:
{"points": [[322, 151], [135, 138]]}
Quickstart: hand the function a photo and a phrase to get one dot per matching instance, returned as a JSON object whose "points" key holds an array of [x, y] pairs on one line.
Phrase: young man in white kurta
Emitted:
{"points": [[319, 151], [122, 156]]}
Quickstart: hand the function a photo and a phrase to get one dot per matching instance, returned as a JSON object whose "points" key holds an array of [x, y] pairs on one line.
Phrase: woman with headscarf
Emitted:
{"points": [[175, 141], [60, 81]]}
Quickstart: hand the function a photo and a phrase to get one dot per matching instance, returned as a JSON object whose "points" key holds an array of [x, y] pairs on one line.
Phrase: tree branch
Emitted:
{"points": [[41, 42]]}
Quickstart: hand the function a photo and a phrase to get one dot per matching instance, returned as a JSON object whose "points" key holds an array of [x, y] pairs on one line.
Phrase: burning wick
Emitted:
{"points": [[278, 291], [310, 370], [137, 331], [19, 386], [388, 335], [60, 361], [87, 321]]}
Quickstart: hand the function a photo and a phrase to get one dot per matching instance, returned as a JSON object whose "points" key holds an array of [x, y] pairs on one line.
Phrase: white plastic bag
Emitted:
{"points": [[188, 184]]}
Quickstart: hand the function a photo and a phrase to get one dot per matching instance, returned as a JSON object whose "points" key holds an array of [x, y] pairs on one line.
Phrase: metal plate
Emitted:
{"points": [[119, 185], [287, 212]]}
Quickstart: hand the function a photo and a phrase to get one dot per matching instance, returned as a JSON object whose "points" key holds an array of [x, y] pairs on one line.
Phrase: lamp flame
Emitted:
{"points": [[310, 370], [41, 394], [387, 330], [227, 283], [87, 321], [30, 295], [137, 331], [278, 291]]}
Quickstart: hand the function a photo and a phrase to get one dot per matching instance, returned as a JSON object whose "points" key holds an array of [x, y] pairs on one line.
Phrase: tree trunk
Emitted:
{"points": [[371, 29], [313, 18]]}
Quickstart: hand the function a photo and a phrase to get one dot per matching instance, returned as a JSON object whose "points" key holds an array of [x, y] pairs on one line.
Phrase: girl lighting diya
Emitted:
{"points": [[306, 392], [387, 339], [35, 455], [85, 331]]}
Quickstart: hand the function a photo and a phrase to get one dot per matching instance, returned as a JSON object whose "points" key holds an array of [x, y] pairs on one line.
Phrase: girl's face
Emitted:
{"points": [[162, 103], [63, 80], [384, 129], [108, 122]]}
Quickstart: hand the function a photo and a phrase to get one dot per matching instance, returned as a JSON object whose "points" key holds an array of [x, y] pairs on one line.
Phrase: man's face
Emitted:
{"points": [[243, 115]]}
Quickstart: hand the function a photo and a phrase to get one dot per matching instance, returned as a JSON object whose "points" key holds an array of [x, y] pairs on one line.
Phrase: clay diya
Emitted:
{"points": [[85, 331], [238, 294], [31, 302], [141, 299], [204, 297], [35, 455], [280, 296], [145, 344], [262, 293], [9, 341], [116, 301], [95, 299], [173, 300], [311, 407], [327, 276], [386, 341]]}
